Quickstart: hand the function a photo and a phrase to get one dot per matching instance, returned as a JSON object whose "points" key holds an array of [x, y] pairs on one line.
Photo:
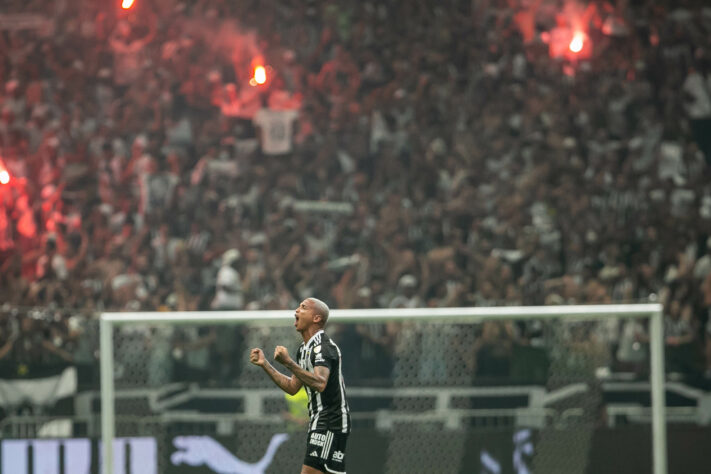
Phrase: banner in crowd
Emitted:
{"points": [[26, 21], [41, 391]]}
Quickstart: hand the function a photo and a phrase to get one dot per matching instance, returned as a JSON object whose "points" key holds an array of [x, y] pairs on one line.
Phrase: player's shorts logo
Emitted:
{"points": [[318, 439], [203, 450], [338, 456]]}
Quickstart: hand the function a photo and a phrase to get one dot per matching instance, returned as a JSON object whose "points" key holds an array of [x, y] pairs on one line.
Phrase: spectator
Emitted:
{"points": [[407, 293], [122, 149], [493, 350], [697, 90], [228, 293], [678, 338]]}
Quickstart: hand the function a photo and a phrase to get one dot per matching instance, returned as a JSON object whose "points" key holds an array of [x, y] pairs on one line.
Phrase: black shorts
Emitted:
{"points": [[326, 451]]}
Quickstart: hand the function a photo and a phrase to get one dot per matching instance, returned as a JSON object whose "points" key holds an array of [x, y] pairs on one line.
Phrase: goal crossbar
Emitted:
{"points": [[434, 315], [469, 315]]}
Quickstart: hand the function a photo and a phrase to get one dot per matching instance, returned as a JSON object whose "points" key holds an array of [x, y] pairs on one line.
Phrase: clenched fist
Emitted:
{"points": [[256, 357], [281, 355]]}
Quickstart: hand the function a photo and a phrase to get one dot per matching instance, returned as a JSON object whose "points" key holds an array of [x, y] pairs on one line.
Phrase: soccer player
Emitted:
{"points": [[318, 368]]}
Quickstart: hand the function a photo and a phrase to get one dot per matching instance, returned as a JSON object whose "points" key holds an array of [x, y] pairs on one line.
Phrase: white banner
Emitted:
{"points": [[26, 21], [137, 455], [42, 391], [77, 456]]}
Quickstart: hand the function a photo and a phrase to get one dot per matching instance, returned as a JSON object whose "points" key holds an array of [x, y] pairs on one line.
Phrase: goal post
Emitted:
{"points": [[110, 321]]}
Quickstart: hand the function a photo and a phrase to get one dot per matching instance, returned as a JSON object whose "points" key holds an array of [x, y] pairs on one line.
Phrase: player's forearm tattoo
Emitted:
{"points": [[310, 379], [280, 379]]}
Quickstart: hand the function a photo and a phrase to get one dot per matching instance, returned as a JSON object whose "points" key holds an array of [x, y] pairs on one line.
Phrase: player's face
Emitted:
{"points": [[304, 315]]}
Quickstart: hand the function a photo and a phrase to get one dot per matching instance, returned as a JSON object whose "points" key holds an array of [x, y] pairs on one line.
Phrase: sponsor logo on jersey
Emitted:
{"points": [[319, 357]]}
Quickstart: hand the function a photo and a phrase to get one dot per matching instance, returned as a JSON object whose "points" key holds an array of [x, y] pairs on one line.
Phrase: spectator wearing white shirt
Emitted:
{"points": [[277, 130], [697, 102], [228, 292]]}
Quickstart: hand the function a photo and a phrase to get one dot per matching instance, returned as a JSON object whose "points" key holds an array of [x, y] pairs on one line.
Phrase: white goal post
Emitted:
{"points": [[429, 315]]}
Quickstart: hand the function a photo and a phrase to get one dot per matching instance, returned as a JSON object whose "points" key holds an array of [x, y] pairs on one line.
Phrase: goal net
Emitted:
{"points": [[431, 390]]}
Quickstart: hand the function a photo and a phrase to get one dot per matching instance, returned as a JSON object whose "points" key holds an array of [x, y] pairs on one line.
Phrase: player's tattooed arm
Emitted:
{"points": [[316, 380], [290, 385]]}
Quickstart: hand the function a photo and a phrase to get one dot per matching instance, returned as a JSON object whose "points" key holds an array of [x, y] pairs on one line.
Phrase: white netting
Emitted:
{"points": [[512, 395]]}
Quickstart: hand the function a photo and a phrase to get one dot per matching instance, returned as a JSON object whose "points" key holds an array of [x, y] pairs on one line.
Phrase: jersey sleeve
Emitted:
{"points": [[324, 355], [299, 350]]}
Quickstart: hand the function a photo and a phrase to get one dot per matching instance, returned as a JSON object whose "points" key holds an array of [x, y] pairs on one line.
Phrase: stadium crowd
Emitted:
{"points": [[400, 154]]}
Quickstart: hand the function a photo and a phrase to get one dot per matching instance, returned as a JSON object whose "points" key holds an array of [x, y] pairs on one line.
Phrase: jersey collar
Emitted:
{"points": [[312, 337]]}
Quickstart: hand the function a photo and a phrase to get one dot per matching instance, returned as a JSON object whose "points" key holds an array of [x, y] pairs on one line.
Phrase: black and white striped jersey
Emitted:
{"points": [[328, 410]]}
